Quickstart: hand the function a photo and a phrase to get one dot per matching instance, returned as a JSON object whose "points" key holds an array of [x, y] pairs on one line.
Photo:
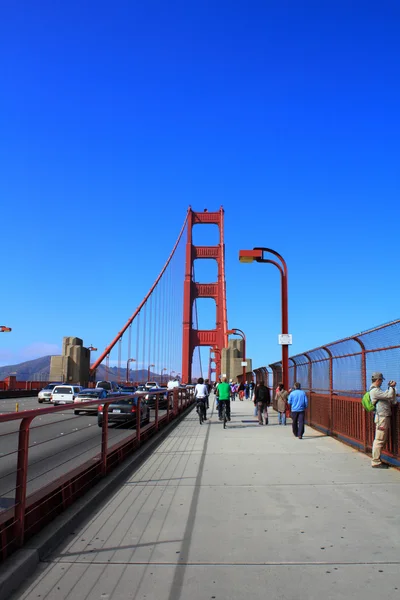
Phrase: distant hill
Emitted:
{"points": [[31, 370], [39, 370]]}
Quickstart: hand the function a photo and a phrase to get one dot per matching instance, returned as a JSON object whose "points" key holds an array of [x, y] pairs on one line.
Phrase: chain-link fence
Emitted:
{"points": [[336, 376]]}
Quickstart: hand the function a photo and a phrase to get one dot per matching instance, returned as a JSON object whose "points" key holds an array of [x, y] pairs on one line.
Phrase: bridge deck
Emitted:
{"points": [[249, 512]]}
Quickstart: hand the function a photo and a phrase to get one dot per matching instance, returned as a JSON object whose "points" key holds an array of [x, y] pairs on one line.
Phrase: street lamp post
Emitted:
{"points": [[257, 254], [5, 329], [170, 374], [162, 374], [127, 368], [236, 331], [217, 361], [148, 372]]}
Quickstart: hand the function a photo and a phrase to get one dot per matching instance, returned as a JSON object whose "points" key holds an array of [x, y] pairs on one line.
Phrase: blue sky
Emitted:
{"points": [[115, 117]]}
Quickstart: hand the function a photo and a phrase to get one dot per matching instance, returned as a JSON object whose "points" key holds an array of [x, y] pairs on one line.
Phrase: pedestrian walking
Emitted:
{"points": [[281, 400], [246, 390], [251, 389], [383, 401], [241, 391], [298, 402], [262, 399]]}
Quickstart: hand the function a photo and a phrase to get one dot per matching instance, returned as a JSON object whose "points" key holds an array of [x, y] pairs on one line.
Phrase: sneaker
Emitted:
{"points": [[228, 418], [300, 437], [261, 423], [220, 418], [380, 466]]}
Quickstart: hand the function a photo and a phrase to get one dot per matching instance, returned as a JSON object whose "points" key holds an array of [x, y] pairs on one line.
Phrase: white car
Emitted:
{"points": [[45, 394], [65, 394]]}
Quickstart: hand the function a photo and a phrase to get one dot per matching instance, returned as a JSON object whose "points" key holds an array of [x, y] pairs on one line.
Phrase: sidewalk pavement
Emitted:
{"points": [[246, 512]]}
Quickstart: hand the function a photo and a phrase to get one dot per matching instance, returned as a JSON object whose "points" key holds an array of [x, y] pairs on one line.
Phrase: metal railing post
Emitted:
{"points": [[138, 413], [168, 405], [21, 483], [176, 401], [364, 388], [157, 406], [104, 439]]}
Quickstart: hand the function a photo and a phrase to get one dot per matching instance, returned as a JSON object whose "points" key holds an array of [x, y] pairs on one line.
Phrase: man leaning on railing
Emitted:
{"points": [[383, 404]]}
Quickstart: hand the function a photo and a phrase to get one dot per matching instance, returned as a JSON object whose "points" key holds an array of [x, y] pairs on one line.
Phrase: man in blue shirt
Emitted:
{"points": [[298, 403]]}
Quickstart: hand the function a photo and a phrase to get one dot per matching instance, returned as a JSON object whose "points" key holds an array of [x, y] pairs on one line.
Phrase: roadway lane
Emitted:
{"points": [[58, 443]]}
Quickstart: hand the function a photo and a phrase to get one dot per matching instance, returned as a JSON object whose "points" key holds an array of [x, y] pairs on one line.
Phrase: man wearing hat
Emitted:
{"points": [[383, 405]]}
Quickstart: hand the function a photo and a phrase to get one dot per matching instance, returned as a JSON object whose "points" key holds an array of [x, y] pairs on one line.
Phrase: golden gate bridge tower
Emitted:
{"points": [[215, 338]]}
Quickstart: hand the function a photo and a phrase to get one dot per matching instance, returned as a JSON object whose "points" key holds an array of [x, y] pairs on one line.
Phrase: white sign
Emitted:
{"points": [[285, 339], [243, 364]]}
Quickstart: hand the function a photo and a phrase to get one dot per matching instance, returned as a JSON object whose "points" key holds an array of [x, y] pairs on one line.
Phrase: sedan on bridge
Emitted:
{"points": [[151, 397], [85, 396], [123, 411]]}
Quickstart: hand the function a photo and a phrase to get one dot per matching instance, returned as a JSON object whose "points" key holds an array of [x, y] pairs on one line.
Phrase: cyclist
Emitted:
{"points": [[224, 395], [201, 395]]}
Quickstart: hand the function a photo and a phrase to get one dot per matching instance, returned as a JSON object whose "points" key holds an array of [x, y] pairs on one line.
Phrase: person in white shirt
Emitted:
{"points": [[201, 394]]}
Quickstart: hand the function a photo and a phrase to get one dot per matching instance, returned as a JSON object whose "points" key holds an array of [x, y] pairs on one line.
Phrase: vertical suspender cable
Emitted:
{"points": [[119, 360], [144, 339], [150, 327], [129, 344], [137, 347]]}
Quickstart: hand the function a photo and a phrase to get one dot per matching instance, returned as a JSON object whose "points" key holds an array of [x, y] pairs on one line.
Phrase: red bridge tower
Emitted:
{"points": [[216, 338]]}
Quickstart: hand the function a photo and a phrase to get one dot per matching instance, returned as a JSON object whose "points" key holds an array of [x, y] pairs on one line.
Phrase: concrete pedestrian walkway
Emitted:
{"points": [[248, 512]]}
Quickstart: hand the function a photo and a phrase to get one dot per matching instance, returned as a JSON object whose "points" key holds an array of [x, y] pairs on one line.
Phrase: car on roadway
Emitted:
{"points": [[65, 394], [151, 397], [45, 394], [150, 384], [86, 395], [127, 389], [110, 386], [123, 411]]}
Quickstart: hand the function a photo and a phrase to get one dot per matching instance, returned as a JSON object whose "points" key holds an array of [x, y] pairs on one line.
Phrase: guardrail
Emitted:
{"points": [[42, 472], [344, 417]]}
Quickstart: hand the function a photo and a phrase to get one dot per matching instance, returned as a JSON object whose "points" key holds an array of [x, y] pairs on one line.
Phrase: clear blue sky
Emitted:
{"points": [[115, 116]]}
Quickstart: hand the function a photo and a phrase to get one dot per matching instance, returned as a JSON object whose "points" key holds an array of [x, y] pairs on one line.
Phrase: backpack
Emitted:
{"points": [[366, 402], [263, 394]]}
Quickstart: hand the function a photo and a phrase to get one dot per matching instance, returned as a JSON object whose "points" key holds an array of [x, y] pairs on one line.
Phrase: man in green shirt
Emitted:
{"points": [[224, 395]]}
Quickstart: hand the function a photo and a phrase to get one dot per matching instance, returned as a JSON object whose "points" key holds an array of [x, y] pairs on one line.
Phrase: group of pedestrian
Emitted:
{"points": [[295, 402], [243, 391]]}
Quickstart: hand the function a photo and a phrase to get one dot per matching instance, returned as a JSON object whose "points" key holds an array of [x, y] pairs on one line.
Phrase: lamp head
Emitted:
{"points": [[248, 256]]}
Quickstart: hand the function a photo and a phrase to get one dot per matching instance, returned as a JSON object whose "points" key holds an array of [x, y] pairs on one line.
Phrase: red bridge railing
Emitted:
{"points": [[39, 479]]}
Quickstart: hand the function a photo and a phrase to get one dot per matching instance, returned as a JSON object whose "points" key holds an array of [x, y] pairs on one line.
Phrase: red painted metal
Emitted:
{"points": [[104, 439], [138, 423], [21, 483], [31, 513], [217, 337], [156, 411], [284, 310]]}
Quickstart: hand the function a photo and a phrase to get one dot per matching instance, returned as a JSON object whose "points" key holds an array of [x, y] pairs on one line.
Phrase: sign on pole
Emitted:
{"points": [[243, 364], [285, 339]]}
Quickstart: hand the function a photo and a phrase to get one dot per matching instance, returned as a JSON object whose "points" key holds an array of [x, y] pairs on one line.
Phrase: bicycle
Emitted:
{"points": [[201, 411]]}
